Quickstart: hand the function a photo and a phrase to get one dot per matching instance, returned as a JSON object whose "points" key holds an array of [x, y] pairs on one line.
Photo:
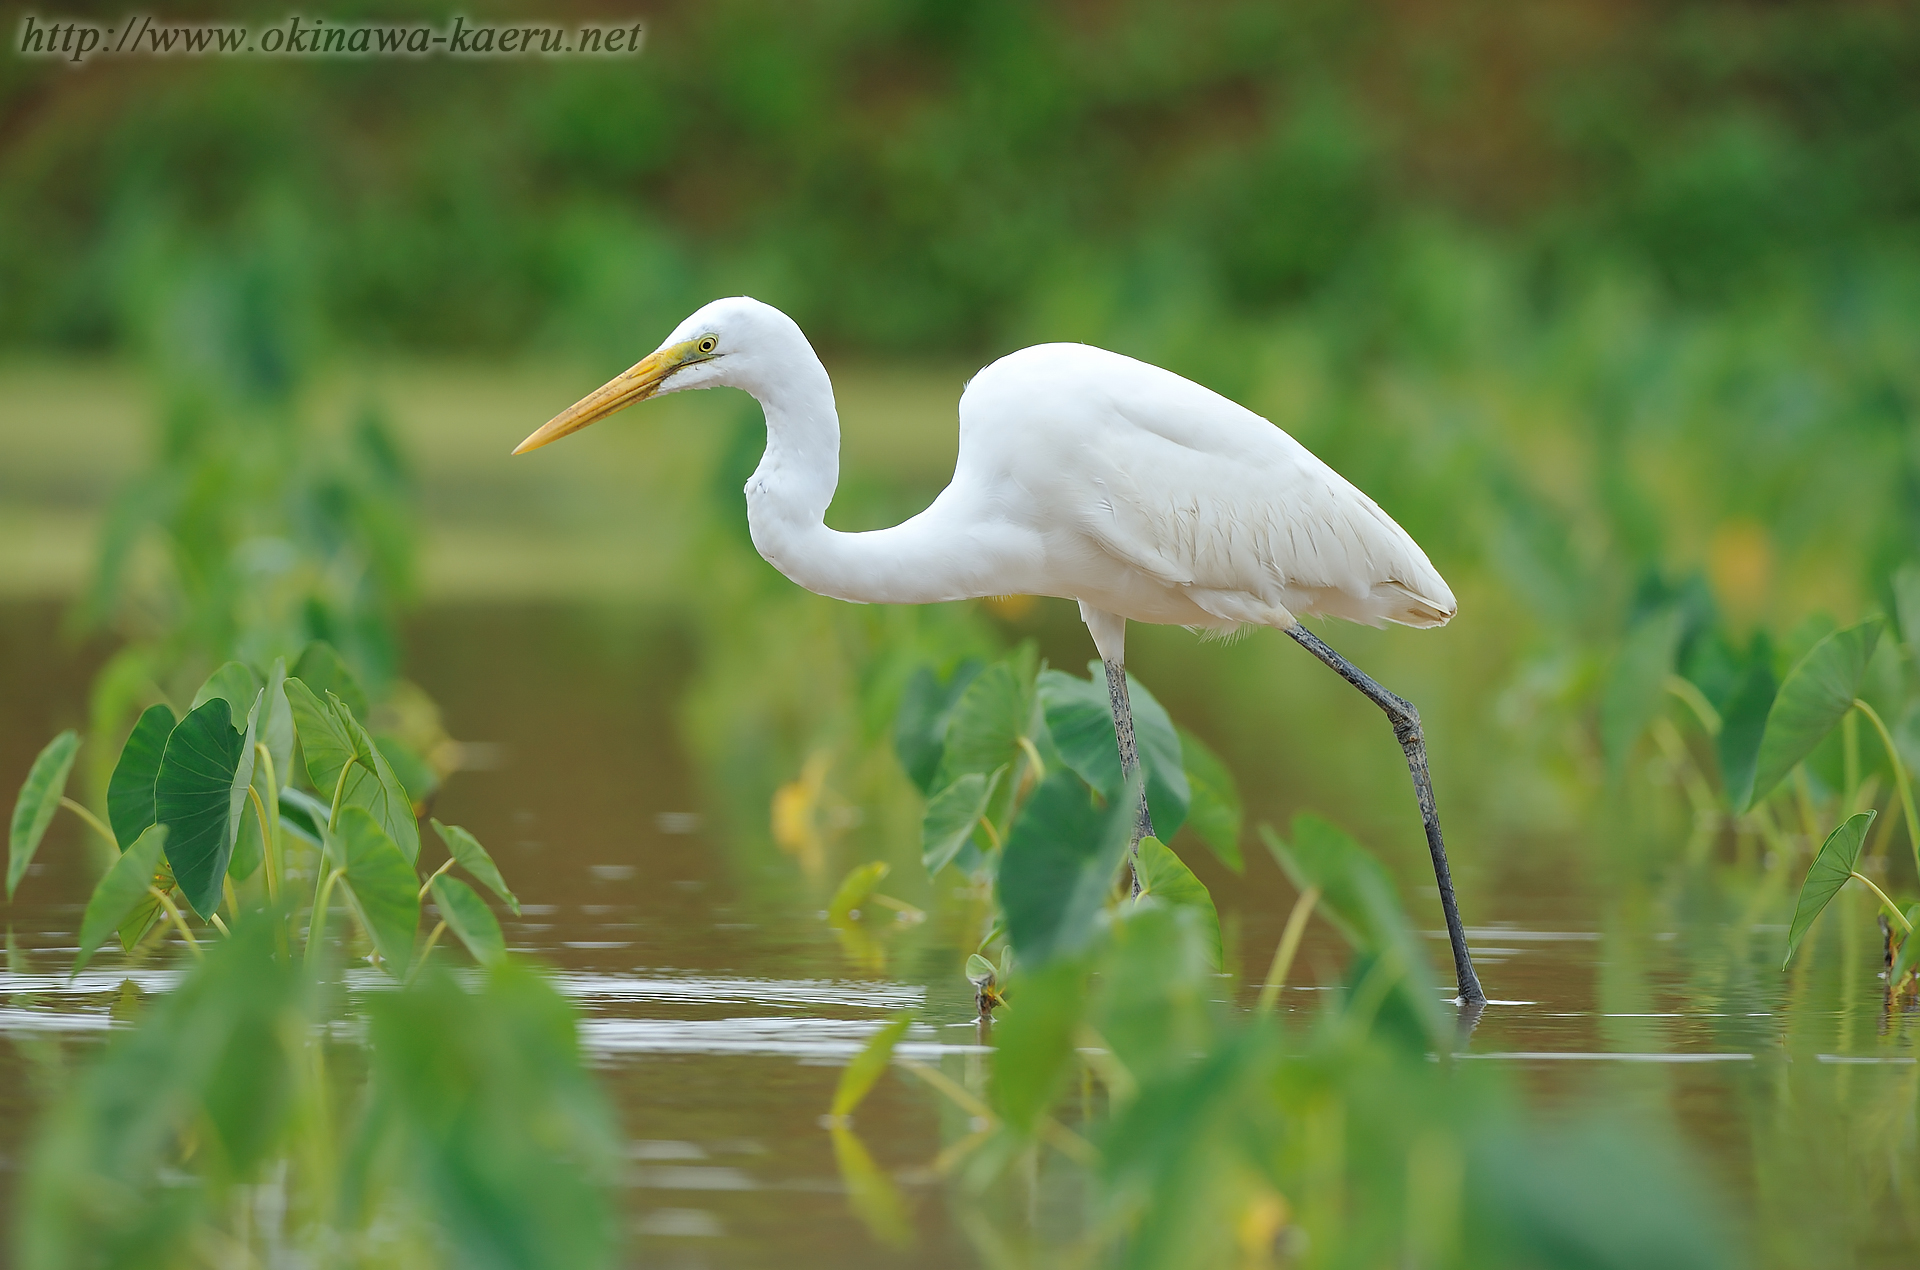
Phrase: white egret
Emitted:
{"points": [[1082, 474]]}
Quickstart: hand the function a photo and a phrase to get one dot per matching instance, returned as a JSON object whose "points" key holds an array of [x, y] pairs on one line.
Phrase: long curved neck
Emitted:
{"points": [[788, 496]]}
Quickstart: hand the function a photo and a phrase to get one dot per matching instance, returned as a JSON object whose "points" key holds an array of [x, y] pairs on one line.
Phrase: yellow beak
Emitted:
{"points": [[636, 384]]}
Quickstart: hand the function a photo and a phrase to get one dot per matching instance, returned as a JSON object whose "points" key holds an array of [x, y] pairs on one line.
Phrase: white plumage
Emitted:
{"points": [[1081, 474]]}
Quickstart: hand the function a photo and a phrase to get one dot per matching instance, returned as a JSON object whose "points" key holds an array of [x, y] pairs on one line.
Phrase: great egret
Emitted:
{"points": [[1085, 475]]}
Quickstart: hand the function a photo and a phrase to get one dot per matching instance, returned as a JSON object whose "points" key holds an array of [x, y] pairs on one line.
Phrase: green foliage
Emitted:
{"points": [[322, 672], [1743, 727], [1358, 897], [123, 889], [920, 729], [1215, 813], [858, 1077], [1080, 720], [381, 885], [1166, 878], [335, 744], [39, 798], [483, 1117], [1034, 1045], [199, 795], [130, 806], [469, 918], [952, 816], [1059, 866], [988, 720], [1636, 688], [1832, 867], [854, 889], [235, 683], [1814, 697], [471, 856]]}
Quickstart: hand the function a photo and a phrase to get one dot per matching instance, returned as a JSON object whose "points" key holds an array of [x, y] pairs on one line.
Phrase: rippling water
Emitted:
{"points": [[718, 1005]]}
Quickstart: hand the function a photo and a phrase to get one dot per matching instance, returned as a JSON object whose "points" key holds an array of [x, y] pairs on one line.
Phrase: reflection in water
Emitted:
{"points": [[719, 1004]]}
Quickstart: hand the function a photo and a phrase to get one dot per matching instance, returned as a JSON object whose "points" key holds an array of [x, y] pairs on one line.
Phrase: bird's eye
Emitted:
{"points": [[708, 344]]}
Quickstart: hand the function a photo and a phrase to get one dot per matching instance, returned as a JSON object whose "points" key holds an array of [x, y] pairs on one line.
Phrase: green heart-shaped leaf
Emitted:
{"points": [[1835, 862], [468, 916], [1080, 719], [333, 741], [1816, 694], [130, 789], [199, 794], [1164, 876], [471, 856], [987, 722], [952, 815], [1059, 865], [381, 885], [40, 796], [235, 683], [920, 728], [320, 668], [121, 891], [1215, 812]]}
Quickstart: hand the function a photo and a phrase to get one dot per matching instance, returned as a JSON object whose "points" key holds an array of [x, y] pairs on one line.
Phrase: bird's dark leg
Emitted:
{"points": [[1406, 726], [1129, 757]]}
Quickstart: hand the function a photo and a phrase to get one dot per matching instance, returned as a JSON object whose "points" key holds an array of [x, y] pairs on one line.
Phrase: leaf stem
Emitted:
{"points": [[266, 843], [270, 837], [339, 791], [1033, 757], [173, 911], [428, 884], [1689, 692], [81, 811], [317, 924], [993, 835], [1900, 777], [1290, 938], [433, 937], [1898, 916]]}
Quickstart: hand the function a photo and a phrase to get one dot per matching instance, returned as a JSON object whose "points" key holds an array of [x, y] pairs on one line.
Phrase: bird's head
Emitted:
{"points": [[728, 343]]}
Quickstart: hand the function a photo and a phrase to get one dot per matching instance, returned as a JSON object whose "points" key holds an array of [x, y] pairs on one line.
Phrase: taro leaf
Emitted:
{"points": [[471, 856], [987, 722], [39, 798], [1909, 949], [302, 814], [1636, 686], [198, 794], [981, 973], [468, 916], [235, 682], [1816, 694], [1832, 866], [331, 738], [858, 1078], [920, 729], [1059, 865], [1080, 719], [854, 890], [130, 791], [951, 817], [1033, 1045], [121, 890], [1357, 896], [322, 671], [871, 1194], [276, 728], [382, 886], [1166, 877], [1215, 813], [1741, 727]]}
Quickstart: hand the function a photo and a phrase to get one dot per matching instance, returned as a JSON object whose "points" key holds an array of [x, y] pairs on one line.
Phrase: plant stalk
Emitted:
{"points": [[1886, 903], [81, 811], [180, 922], [317, 924], [1900, 777], [1290, 938], [270, 836], [428, 884]]}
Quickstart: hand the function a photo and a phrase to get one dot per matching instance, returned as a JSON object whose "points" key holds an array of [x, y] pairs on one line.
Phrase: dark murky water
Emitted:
{"points": [[719, 1005]]}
